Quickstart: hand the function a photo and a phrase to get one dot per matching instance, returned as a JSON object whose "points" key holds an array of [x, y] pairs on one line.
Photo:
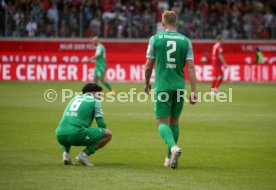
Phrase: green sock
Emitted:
{"points": [[107, 85], [90, 150], [166, 134], [175, 131]]}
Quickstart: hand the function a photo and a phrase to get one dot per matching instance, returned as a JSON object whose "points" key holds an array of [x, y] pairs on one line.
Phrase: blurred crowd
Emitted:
{"points": [[198, 19]]}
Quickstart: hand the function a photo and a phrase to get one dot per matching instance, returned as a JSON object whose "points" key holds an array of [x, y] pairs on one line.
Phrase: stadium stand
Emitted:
{"points": [[198, 19]]}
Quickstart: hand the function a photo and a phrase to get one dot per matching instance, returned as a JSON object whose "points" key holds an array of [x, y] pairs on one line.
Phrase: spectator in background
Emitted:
{"points": [[259, 56], [96, 24], [20, 29], [41, 31], [264, 34], [162, 6], [74, 26], [36, 11], [201, 19], [64, 31], [18, 17], [31, 28], [52, 14], [3, 7]]}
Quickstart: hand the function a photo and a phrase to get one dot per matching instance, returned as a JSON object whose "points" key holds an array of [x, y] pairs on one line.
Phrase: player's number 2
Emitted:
{"points": [[75, 105], [170, 51]]}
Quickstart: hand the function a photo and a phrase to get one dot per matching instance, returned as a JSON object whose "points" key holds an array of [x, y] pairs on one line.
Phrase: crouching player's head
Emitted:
{"points": [[93, 89]]}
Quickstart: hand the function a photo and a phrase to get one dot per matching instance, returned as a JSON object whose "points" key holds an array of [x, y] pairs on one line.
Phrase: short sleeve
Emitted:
{"points": [[190, 54], [98, 109], [98, 50], [150, 51]]}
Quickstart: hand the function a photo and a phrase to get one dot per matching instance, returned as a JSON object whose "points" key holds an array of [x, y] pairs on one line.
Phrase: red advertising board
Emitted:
{"points": [[124, 72], [63, 61]]}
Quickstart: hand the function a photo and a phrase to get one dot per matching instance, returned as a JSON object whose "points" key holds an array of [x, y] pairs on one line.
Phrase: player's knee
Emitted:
{"points": [[174, 120], [108, 134], [160, 121]]}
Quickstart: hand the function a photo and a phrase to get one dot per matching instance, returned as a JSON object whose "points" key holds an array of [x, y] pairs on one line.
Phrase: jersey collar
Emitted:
{"points": [[170, 30]]}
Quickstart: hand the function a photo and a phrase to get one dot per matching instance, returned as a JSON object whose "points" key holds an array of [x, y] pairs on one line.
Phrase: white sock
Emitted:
{"points": [[66, 154], [174, 147], [84, 154]]}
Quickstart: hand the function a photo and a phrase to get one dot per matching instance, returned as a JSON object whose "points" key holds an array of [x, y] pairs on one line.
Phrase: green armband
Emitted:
{"points": [[100, 122]]}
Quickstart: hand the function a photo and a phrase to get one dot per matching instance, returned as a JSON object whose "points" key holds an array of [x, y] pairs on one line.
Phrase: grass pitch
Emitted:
{"points": [[225, 145]]}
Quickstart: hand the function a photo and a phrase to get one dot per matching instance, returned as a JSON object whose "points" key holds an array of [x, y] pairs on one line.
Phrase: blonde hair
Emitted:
{"points": [[169, 18]]}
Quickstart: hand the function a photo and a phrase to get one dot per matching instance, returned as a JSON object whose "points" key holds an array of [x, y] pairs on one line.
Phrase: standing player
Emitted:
{"points": [[171, 51], [100, 68], [75, 126], [217, 62], [259, 56]]}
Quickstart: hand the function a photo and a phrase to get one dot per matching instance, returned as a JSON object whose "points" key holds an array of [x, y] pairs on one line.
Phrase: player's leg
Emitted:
{"points": [[100, 143], [167, 135], [176, 110], [162, 107], [177, 106], [97, 75], [106, 139], [219, 78], [214, 81], [165, 131], [106, 84], [100, 73], [94, 139], [96, 80], [176, 152], [65, 146], [175, 130]]}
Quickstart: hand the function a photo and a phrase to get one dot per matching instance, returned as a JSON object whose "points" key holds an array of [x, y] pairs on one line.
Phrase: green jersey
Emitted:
{"points": [[259, 57], [170, 51], [79, 114], [100, 61]]}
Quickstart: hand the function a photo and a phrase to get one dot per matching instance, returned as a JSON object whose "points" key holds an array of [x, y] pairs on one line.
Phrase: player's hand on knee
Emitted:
{"points": [[108, 134]]}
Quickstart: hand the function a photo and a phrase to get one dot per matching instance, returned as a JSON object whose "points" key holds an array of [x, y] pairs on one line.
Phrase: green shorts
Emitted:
{"points": [[168, 104], [85, 137], [99, 72]]}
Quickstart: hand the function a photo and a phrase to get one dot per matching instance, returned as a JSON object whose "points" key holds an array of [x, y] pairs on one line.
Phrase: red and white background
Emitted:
{"points": [[32, 60]]}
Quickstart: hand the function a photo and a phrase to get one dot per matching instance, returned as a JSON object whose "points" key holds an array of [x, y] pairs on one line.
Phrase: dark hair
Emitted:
{"points": [[91, 87]]}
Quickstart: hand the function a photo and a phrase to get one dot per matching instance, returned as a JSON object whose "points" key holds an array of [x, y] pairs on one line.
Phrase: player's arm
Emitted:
{"points": [[100, 122], [148, 72], [99, 115], [192, 77], [221, 58], [95, 56], [149, 65], [191, 72]]}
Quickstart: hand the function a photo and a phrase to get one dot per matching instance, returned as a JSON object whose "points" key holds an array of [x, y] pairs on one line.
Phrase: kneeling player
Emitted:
{"points": [[75, 126]]}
